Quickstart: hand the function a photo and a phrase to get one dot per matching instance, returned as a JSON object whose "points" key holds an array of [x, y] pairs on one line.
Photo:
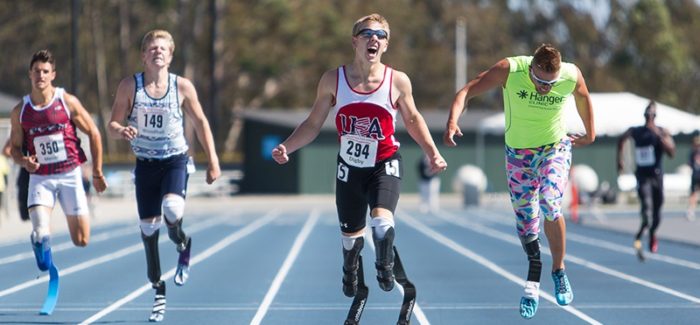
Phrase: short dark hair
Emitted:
{"points": [[650, 111], [42, 56], [547, 58]]}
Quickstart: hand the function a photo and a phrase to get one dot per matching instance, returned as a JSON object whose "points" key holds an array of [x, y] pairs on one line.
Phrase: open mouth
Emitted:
{"points": [[373, 50]]}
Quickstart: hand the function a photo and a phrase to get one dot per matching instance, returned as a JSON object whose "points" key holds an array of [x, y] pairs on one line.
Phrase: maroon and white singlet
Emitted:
{"points": [[50, 135]]}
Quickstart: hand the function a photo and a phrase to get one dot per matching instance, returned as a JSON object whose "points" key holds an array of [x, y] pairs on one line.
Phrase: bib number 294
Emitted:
{"points": [[358, 151]]}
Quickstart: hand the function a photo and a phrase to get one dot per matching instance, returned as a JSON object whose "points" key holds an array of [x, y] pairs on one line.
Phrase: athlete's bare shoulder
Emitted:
{"points": [[329, 80], [401, 82], [127, 83], [17, 108]]}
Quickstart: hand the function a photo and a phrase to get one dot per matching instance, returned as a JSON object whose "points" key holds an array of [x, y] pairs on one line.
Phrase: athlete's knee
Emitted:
{"points": [[40, 223], [150, 226], [645, 223], [173, 207], [349, 241], [554, 215], [531, 245], [380, 226], [357, 233]]}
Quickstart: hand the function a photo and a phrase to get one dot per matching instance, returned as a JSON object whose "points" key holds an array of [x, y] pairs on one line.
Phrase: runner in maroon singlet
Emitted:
{"points": [[45, 124]]}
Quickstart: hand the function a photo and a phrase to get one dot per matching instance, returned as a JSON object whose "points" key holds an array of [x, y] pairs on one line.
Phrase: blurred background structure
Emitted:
{"points": [[256, 65]]}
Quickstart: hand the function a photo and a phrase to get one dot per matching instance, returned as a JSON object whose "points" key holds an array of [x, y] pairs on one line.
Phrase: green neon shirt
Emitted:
{"points": [[532, 119]]}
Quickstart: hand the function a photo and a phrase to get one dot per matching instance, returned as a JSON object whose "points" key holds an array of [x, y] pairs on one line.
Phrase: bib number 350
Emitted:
{"points": [[50, 148]]}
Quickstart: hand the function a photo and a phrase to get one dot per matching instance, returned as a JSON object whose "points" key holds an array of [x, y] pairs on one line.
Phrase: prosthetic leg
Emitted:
{"points": [[390, 269], [385, 260], [158, 312], [409, 291], [351, 266], [150, 244], [184, 244], [44, 261], [360, 300], [42, 253], [530, 300]]}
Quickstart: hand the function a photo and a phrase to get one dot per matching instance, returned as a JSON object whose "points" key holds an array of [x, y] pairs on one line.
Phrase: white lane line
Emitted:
{"points": [[68, 244], [630, 251], [228, 240], [569, 257], [379, 307], [417, 310], [102, 259], [286, 266], [487, 263], [600, 243]]}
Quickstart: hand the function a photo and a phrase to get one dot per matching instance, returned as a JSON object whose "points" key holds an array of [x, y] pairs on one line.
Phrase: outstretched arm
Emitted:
{"points": [[194, 111], [620, 145], [495, 76], [120, 111], [584, 106], [415, 124], [308, 130], [29, 163], [83, 121], [667, 143]]}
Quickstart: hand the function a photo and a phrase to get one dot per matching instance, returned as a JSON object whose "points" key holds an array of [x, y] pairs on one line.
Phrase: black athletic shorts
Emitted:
{"points": [[695, 183], [155, 178], [357, 188]]}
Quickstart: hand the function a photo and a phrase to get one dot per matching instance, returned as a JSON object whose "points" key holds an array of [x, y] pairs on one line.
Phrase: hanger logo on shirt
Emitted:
{"points": [[547, 102], [364, 126]]}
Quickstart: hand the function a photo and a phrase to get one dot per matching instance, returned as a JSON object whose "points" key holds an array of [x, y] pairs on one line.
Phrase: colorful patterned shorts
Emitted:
{"points": [[537, 179]]}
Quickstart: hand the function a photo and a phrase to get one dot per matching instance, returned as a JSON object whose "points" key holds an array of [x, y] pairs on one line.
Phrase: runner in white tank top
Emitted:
{"points": [[366, 95], [154, 129]]}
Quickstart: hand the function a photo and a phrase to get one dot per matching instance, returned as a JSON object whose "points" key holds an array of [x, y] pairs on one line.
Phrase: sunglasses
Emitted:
{"points": [[368, 33], [543, 82]]}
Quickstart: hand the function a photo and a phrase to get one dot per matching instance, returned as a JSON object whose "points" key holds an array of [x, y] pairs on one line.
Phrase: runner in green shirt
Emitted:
{"points": [[538, 151]]}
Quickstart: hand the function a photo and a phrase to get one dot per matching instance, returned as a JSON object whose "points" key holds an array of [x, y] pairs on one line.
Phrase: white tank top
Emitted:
{"points": [[366, 121], [159, 122]]}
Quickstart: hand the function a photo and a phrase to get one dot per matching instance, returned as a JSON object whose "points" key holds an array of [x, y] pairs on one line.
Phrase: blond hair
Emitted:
{"points": [[155, 34], [547, 58], [369, 18]]}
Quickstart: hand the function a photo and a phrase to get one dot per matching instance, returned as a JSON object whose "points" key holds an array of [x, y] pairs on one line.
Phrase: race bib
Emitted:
{"points": [[644, 156], [358, 151], [50, 148], [343, 172], [153, 122]]}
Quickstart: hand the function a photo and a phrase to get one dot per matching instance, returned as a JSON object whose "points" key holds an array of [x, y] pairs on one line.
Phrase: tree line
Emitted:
{"points": [[247, 55]]}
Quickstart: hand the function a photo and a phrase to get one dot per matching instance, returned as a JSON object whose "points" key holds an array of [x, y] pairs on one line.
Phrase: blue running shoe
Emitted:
{"points": [[562, 288], [42, 253], [530, 300], [528, 307]]}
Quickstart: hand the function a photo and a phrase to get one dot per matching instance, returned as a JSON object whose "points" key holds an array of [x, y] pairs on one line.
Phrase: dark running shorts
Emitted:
{"points": [[155, 178], [358, 188]]}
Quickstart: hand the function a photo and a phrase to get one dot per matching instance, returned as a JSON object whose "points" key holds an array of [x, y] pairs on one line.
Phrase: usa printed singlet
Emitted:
{"points": [[50, 135], [159, 122], [366, 121]]}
